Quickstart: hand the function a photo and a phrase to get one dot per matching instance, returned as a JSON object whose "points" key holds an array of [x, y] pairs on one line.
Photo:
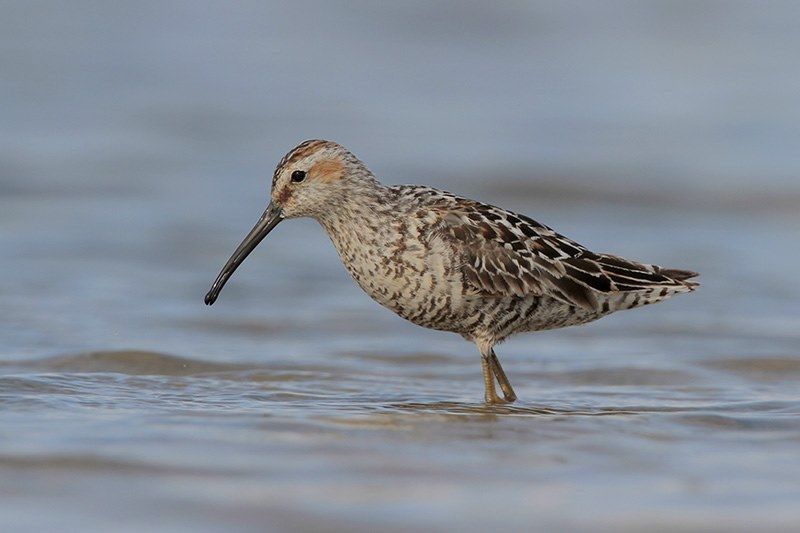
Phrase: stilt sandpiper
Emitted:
{"points": [[450, 263]]}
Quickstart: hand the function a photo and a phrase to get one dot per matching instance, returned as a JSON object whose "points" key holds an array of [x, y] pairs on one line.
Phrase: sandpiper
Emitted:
{"points": [[450, 263]]}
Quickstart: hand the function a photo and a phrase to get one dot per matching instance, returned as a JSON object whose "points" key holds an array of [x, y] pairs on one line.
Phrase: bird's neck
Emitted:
{"points": [[362, 214], [355, 205]]}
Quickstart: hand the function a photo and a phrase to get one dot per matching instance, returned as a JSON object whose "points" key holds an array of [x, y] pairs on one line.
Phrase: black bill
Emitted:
{"points": [[271, 217]]}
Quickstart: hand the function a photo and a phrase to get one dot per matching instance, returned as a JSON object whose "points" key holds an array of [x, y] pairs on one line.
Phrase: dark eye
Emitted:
{"points": [[298, 176]]}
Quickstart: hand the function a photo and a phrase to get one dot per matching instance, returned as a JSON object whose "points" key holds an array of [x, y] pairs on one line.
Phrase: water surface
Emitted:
{"points": [[136, 148]]}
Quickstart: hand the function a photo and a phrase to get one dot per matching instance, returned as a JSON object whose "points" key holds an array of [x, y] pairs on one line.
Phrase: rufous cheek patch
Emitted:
{"points": [[327, 171]]}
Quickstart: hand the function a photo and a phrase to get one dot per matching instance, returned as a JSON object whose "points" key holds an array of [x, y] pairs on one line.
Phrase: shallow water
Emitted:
{"points": [[296, 403], [136, 148]]}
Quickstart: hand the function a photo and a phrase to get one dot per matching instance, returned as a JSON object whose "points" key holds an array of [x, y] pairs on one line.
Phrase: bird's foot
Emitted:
{"points": [[497, 400], [509, 396]]}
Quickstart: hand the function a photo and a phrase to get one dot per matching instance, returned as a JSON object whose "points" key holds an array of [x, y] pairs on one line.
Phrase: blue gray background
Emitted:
{"points": [[136, 145]]}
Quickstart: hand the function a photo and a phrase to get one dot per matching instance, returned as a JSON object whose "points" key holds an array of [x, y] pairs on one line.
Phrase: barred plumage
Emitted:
{"points": [[450, 263]]}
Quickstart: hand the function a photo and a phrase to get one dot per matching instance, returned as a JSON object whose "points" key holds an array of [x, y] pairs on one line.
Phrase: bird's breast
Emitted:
{"points": [[406, 269]]}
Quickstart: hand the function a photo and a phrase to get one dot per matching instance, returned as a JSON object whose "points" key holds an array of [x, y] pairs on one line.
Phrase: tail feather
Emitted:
{"points": [[640, 284], [680, 275]]}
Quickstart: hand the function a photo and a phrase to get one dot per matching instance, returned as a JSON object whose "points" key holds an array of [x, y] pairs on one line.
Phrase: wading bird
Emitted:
{"points": [[450, 263]]}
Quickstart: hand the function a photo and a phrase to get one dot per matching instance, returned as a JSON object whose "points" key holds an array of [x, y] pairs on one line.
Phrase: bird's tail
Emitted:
{"points": [[639, 284]]}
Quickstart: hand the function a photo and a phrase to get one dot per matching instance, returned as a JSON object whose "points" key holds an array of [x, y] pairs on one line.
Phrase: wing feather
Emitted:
{"points": [[507, 254]]}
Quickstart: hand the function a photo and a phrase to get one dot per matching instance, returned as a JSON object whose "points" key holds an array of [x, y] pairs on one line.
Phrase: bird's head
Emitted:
{"points": [[314, 179]]}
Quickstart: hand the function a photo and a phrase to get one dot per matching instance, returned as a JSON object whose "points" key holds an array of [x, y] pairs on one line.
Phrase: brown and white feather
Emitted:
{"points": [[455, 264]]}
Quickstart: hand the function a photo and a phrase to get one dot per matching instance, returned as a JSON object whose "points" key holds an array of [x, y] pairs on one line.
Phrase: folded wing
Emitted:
{"points": [[507, 254]]}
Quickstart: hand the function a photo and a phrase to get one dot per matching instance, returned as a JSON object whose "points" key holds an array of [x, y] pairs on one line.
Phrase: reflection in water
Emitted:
{"points": [[491, 411]]}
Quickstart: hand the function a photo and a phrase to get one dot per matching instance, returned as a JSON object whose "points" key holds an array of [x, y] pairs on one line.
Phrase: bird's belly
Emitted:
{"points": [[424, 298], [503, 317], [433, 296], [418, 285]]}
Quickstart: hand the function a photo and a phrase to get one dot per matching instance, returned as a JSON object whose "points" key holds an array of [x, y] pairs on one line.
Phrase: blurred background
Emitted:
{"points": [[137, 141]]}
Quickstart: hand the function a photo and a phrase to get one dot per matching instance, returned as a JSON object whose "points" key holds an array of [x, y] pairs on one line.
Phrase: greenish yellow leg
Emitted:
{"points": [[505, 385], [489, 393]]}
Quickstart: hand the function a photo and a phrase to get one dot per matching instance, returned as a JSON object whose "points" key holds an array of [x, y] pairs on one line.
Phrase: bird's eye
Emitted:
{"points": [[298, 176]]}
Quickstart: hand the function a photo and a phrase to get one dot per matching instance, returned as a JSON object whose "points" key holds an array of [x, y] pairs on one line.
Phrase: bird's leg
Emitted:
{"points": [[489, 393], [505, 385]]}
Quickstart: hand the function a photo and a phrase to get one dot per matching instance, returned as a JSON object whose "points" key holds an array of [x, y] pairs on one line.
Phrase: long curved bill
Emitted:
{"points": [[271, 217]]}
